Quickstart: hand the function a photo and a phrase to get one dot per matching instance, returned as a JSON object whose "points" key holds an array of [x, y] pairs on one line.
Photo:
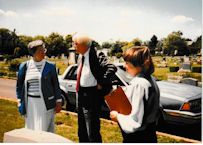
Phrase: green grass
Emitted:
{"points": [[9, 116], [66, 125], [161, 73]]}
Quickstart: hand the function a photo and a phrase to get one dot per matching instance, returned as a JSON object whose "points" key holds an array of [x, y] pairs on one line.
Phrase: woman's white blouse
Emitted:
{"points": [[135, 92]]}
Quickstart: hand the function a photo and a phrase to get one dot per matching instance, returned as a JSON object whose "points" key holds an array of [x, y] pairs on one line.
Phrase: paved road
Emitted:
{"points": [[7, 88]]}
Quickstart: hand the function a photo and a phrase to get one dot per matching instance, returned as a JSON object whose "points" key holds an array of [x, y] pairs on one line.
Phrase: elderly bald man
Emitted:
{"points": [[92, 84]]}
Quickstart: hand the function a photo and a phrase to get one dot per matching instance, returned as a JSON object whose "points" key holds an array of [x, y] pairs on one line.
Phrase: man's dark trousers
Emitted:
{"points": [[89, 106]]}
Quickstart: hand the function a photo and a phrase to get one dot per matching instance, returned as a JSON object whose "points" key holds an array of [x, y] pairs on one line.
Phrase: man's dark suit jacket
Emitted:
{"points": [[101, 70]]}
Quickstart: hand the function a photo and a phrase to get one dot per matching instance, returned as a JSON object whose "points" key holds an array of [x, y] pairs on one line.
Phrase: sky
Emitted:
{"points": [[103, 20]]}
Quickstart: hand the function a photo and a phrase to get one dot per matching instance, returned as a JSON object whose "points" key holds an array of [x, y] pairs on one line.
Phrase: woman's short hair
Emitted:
{"points": [[82, 39], [140, 56], [33, 46]]}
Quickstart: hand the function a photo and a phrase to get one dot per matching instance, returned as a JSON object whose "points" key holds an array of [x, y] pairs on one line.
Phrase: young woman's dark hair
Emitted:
{"points": [[140, 56]]}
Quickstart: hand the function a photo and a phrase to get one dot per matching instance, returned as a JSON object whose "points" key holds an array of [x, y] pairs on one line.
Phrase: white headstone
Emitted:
{"points": [[71, 58], [62, 56], [24, 135], [186, 59], [175, 52]]}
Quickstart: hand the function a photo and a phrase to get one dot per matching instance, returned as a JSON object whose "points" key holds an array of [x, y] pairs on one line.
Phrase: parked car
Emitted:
{"points": [[179, 103]]}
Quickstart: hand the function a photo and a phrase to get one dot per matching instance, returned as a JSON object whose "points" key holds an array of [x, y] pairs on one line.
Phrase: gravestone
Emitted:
{"points": [[71, 59], [186, 67], [62, 56], [175, 52], [24, 135], [186, 59]]}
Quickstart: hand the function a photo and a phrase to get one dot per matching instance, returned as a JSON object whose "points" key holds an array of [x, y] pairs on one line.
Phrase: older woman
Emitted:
{"points": [[38, 88]]}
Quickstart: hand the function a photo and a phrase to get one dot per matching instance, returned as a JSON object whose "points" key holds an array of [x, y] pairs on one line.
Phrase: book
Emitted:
{"points": [[118, 101]]}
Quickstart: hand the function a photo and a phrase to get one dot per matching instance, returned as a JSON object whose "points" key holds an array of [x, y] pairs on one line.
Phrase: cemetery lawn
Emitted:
{"points": [[161, 73], [66, 125]]}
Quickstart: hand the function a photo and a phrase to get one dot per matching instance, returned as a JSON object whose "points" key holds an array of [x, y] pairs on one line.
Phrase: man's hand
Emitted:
{"points": [[113, 115], [58, 107], [99, 87]]}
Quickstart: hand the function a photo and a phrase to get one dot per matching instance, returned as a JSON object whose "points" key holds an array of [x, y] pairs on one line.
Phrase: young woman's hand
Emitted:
{"points": [[113, 115], [58, 107]]}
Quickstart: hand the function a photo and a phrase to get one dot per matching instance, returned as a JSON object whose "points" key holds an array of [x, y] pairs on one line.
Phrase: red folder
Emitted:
{"points": [[118, 101]]}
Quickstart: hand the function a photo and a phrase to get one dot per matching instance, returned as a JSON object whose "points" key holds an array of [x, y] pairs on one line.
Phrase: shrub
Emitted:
{"points": [[1, 58], [197, 76], [197, 69], [119, 54], [2, 73], [7, 57], [14, 65], [173, 68]]}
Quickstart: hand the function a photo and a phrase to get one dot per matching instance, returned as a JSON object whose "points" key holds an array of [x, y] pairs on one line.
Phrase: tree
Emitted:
{"points": [[136, 42], [116, 48], [8, 41], [39, 37], [175, 43], [129, 45], [106, 45], [23, 43], [196, 46], [96, 44], [68, 40], [18, 52], [56, 45], [152, 44], [159, 46]]}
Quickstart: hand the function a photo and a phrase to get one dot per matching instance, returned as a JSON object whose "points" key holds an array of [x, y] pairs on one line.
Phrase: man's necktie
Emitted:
{"points": [[79, 74]]}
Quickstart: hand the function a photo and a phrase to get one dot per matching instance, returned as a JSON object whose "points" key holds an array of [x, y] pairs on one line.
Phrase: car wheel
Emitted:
{"points": [[66, 105], [70, 107], [161, 122]]}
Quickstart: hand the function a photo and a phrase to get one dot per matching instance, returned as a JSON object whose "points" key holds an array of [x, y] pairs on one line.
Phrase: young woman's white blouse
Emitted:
{"points": [[135, 92]]}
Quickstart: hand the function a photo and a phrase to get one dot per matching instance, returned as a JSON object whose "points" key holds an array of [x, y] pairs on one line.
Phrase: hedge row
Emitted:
{"points": [[194, 69], [173, 68]]}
